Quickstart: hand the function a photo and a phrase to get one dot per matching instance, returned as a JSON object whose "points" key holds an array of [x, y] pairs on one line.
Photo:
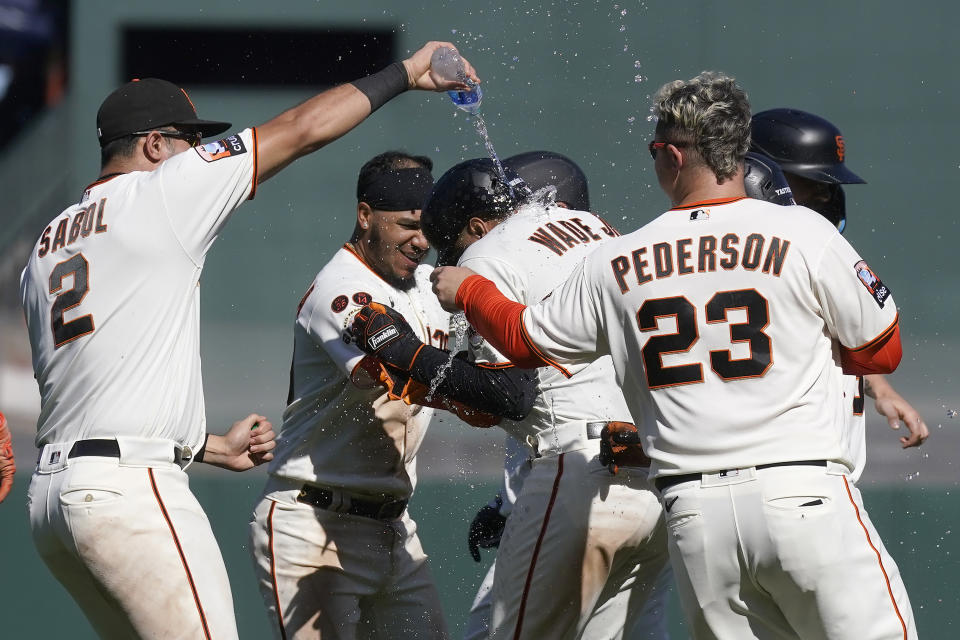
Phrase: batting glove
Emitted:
{"points": [[382, 332], [8, 465], [620, 447], [486, 529]]}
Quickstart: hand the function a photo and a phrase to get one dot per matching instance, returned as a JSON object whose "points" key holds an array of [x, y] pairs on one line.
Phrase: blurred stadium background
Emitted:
{"points": [[570, 76]]}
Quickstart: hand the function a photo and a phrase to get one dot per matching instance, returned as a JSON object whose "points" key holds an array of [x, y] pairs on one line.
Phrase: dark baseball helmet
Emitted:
{"points": [[543, 168], [763, 180], [470, 189], [802, 144]]}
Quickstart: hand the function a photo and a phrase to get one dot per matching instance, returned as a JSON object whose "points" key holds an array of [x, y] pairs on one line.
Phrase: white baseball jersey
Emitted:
{"points": [[554, 572], [735, 301], [528, 256], [855, 434], [333, 432], [111, 296]]}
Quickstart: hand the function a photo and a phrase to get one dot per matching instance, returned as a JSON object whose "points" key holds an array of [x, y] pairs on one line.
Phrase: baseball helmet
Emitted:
{"points": [[763, 180], [470, 189], [802, 144], [543, 168]]}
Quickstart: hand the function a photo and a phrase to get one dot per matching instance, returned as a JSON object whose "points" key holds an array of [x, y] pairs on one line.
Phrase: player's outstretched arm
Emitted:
{"points": [[8, 466], [329, 115], [895, 409], [248, 443]]}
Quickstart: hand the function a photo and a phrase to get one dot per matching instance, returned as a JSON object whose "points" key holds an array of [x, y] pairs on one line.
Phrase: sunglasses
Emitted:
{"points": [[655, 146], [193, 138]]}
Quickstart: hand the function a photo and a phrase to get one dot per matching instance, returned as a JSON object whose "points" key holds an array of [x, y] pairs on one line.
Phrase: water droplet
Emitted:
{"points": [[636, 64], [623, 28], [952, 413], [631, 119], [638, 78], [624, 12]]}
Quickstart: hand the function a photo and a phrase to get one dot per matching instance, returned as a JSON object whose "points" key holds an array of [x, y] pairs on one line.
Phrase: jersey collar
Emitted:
{"points": [[708, 203]]}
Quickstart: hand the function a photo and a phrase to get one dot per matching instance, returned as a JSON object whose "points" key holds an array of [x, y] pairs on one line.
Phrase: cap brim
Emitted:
{"points": [[206, 128], [837, 174]]}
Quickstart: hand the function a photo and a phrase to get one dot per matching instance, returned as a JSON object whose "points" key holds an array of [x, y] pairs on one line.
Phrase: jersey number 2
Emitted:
{"points": [[64, 332], [687, 333]]}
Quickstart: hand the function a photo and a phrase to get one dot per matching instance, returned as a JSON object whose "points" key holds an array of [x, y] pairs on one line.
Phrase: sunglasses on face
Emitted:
{"points": [[656, 146], [193, 138]]}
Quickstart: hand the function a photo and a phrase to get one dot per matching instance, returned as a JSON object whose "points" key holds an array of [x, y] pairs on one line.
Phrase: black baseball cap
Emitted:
{"points": [[150, 103]]}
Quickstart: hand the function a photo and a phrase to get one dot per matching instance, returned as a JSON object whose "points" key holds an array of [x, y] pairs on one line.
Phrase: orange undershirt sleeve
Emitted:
{"points": [[498, 319]]}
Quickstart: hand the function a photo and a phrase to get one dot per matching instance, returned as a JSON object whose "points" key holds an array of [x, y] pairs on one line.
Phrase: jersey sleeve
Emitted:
{"points": [[857, 307], [202, 187], [324, 316], [567, 328]]}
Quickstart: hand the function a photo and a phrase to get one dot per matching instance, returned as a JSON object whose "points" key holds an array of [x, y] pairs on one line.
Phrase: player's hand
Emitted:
{"points": [[422, 77], [446, 282], [486, 529], [895, 409], [620, 447], [8, 466], [248, 443], [382, 332]]}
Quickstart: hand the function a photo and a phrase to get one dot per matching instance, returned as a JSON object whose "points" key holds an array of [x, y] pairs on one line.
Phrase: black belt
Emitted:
{"points": [[104, 448], [664, 482], [378, 510]]}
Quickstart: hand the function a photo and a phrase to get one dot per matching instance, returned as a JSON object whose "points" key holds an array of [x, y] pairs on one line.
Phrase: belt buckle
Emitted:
{"points": [[391, 510]]}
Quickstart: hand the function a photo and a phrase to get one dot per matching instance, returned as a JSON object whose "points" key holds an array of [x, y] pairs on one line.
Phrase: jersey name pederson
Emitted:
{"points": [[701, 255]]}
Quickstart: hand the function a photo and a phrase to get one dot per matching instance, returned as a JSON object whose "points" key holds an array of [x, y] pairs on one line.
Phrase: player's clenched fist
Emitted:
{"points": [[8, 466], [248, 443], [446, 283], [380, 331]]}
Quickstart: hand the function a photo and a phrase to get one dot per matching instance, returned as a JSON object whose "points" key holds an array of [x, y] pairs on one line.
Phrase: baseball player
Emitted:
{"points": [[8, 466], [730, 323], [336, 552], [812, 153], [111, 295], [578, 535]]}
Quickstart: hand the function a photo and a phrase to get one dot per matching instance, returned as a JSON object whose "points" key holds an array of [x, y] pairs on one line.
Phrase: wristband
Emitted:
{"points": [[198, 457], [383, 85]]}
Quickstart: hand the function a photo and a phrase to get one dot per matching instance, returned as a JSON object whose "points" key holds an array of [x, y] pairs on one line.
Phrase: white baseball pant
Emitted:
{"points": [[338, 576], [576, 537], [782, 552], [131, 544]]}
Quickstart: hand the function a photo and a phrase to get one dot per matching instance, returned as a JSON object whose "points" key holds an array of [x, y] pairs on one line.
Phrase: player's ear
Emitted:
{"points": [[477, 227], [364, 215], [154, 147]]}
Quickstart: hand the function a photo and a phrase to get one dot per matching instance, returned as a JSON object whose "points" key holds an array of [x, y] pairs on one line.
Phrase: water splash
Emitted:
{"points": [[481, 128], [952, 413], [458, 331]]}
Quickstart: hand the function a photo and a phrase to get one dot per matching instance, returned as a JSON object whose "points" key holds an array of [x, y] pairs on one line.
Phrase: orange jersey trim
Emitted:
{"points": [[708, 203], [103, 180], [356, 255], [883, 570], [880, 355]]}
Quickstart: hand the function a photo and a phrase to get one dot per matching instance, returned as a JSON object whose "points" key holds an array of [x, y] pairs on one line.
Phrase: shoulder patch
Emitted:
{"points": [[229, 146], [339, 303], [362, 298], [873, 284]]}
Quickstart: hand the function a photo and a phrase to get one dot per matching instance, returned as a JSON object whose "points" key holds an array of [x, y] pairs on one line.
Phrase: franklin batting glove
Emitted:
{"points": [[382, 332]]}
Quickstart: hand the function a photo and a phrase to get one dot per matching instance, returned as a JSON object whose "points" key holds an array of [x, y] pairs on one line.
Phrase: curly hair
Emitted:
{"points": [[711, 113]]}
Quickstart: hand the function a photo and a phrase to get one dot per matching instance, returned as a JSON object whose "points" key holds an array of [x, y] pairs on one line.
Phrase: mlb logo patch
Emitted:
{"points": [[54, 457], [700, 214], [230, 146]]}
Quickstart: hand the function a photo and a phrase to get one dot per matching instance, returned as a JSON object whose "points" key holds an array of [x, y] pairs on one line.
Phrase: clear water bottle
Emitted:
{"points": [[448, 64]]}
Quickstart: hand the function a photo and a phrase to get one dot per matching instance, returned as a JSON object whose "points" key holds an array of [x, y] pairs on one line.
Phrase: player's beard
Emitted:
{"points": [[383, 249]]}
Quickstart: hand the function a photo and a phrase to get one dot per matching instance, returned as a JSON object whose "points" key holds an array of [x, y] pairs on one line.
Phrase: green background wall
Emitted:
{"points": [[574, 77]]}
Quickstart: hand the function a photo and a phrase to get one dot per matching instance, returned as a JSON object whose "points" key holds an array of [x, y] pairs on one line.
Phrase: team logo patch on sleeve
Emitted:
{"points": [[873, 284], [339, 304], [362, 298], [230, 146]]}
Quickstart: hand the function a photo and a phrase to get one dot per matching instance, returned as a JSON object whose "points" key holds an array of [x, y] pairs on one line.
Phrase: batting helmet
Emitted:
{"points": [[763, 180], [802, 144], [473, 188], [543, 168]]}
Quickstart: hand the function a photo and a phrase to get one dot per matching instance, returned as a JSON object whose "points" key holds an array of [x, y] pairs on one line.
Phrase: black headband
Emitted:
{"points": [[396, 189]]}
